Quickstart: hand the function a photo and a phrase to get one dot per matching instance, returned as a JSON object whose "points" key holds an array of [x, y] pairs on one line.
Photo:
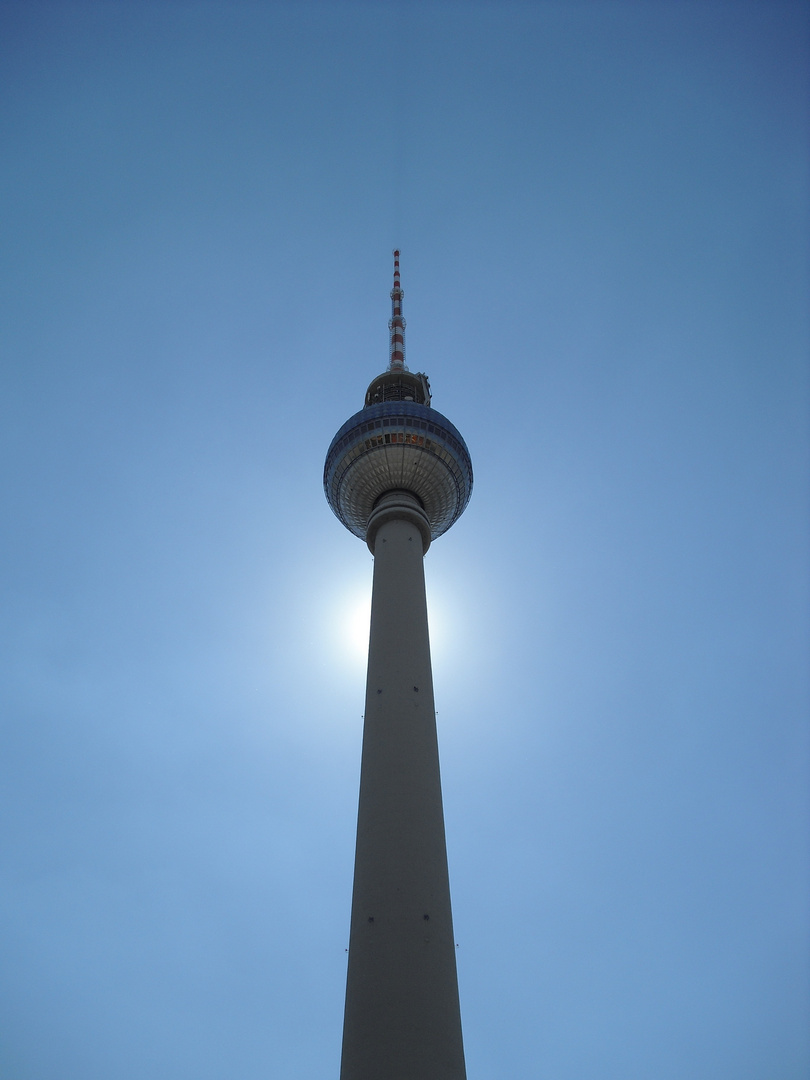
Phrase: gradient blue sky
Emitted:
{"points": [[603, 215]]}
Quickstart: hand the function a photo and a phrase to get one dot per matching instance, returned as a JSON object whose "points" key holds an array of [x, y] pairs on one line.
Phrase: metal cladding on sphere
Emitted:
{"points": [[398, 442], [398, 446]]}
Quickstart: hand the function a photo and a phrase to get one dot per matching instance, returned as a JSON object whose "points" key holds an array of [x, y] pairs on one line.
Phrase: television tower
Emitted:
{"points": [[398, 475]]}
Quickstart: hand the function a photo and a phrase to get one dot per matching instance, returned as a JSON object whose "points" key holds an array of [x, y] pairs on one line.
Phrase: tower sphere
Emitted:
{"points": [[398, 446]]}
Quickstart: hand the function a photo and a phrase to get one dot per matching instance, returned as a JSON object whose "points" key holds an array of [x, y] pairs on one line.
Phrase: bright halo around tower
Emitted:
{"points": [[350, 621], [353, 628], [347, 611]]}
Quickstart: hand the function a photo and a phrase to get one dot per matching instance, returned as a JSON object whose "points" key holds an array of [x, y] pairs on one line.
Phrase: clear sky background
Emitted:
{"points": [[603, 216]]}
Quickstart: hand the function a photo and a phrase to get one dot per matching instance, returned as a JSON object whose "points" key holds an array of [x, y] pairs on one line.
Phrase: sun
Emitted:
{"points": [[353, 624], [345, 617]]}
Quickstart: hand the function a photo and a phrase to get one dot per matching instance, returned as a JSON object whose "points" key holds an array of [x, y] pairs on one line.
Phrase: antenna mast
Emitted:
{"points": [[396, 323]]}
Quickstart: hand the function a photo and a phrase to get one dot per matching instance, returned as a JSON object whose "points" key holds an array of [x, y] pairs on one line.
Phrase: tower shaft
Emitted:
{"points": [[402, 1019]]}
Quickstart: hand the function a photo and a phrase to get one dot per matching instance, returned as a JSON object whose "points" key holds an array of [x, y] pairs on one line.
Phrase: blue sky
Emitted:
{"points": [[603, 216]]}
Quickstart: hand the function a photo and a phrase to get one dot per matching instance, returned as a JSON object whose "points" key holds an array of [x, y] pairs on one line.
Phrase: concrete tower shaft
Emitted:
{"points": [[402, 1019]]}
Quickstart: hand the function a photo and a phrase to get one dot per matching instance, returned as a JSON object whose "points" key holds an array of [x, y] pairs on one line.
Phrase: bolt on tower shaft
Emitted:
{"points": [[398, 474]]}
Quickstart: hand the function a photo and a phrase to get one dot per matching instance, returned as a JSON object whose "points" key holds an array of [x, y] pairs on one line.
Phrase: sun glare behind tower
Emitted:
{"points": [[398, 474]]}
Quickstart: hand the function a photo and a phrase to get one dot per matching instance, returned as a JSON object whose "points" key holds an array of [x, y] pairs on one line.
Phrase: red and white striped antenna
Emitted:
{"points": [[396, 323]]}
